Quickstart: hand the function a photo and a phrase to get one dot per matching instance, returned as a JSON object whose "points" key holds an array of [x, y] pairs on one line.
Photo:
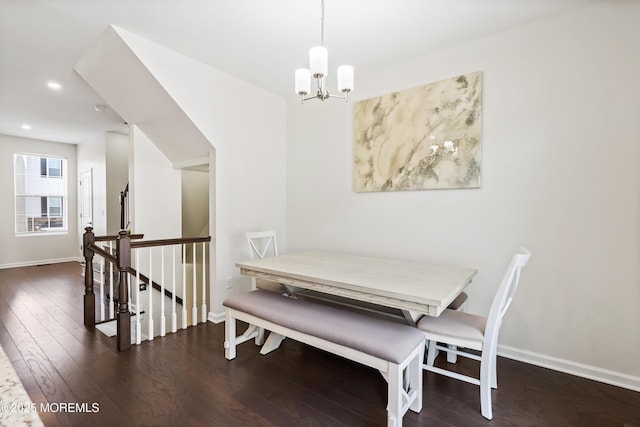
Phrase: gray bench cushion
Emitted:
{"points": [[378, 337]]}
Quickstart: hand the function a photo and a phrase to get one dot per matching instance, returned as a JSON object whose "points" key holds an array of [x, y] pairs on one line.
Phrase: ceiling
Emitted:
{"points": [[259, 41]]}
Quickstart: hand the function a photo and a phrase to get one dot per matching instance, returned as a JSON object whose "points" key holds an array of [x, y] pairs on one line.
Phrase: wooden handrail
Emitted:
{"points": [[115, 237], [106, 255], [168, 242]]}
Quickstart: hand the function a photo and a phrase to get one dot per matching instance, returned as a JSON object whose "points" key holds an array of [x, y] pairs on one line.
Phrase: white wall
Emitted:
{"points": [[32, 250], [106, 155], [117, 175], [155, 191], [560, 175], [155, 207]]}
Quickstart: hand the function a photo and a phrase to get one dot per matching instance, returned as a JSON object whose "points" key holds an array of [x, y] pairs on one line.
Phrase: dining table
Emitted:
{"points": [[414, 288]]}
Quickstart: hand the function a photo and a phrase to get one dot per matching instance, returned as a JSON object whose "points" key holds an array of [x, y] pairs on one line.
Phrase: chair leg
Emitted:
{"points": [[486, 378], [260, 338], [452, 357], [494, 371]]}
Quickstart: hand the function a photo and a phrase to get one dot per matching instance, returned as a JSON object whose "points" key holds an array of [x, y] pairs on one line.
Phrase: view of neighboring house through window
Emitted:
{"points": [[40, 194]]}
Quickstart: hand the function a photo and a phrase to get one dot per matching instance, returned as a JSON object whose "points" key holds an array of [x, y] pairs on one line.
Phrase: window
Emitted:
{"points": [[40, 194], [50, 167]]}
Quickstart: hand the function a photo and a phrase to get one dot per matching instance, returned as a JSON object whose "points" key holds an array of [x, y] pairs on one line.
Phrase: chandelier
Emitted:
{"points": [[318, 67]]}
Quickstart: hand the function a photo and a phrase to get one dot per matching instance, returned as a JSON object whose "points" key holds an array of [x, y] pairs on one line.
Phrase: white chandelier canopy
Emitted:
{"points": [[318, 69]]}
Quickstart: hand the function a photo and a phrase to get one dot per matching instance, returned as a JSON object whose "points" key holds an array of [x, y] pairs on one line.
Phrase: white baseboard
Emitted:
{"points": [[562, 365], [574, 368], [215, 317], [39, 262]]}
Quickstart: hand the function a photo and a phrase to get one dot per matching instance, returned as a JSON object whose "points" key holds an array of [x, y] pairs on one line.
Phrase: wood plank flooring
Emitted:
{"points": [[183, 379]]}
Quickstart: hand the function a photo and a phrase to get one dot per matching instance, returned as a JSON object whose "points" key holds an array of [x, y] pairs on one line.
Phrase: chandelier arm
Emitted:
{"points": [[345, 96], [303, 99], [323, 96]]}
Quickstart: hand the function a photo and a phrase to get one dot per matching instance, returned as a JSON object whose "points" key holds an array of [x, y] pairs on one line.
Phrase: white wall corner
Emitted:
{"points": [[215, 317]]}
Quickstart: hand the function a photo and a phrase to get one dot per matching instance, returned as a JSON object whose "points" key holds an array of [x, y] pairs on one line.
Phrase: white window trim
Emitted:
{"points": [[65, 197]]}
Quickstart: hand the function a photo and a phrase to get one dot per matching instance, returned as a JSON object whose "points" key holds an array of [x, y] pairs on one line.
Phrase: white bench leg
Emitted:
{"points": [[229, 336], [415, 379], [394, 396]]}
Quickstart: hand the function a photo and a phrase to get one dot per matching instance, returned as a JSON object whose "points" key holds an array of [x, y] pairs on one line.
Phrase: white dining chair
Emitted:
{"points": [[263, 244], [469, 331]]}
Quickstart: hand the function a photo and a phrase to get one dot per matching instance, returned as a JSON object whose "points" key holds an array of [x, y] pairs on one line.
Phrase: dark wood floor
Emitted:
{"points": [[183, 379]]}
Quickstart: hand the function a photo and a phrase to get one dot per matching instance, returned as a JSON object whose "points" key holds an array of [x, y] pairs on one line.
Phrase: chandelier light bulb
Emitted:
{"points": [[303, 81], [319, 61], [345, 78]]}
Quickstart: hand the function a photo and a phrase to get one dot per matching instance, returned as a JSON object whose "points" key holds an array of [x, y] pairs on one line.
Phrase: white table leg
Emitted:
{"points": [[272, 343]]}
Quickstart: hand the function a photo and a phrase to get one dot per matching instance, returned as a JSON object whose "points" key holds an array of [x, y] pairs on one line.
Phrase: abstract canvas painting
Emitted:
{"points": [[428, 137]]}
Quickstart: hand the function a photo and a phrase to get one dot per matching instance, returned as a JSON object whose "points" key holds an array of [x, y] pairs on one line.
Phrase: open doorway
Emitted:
{"points": [[195, 202], [195, 223]]}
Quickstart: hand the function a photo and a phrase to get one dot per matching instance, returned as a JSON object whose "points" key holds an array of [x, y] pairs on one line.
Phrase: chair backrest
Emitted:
{"points": [[505, 293], [262, 243]]}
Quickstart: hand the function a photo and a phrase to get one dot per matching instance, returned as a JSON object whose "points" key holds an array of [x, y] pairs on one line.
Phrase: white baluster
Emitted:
{"points": [[184, 286], [111, 305], [194, 314], [102, 307], [174, 320], [137, 285], [150, 291], [204, 283], [129, 298], [163, 318]]}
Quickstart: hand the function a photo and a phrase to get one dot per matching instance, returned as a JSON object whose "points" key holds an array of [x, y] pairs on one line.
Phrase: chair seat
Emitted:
{"points": [[456, 328]]}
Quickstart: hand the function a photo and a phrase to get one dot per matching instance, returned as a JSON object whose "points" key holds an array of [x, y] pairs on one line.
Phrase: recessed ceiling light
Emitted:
{"points": [[99, 107], [26, 126], [54, 85]]}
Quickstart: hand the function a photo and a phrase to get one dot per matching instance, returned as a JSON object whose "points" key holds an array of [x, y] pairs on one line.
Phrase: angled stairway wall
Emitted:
{"points": [[196, 114]]}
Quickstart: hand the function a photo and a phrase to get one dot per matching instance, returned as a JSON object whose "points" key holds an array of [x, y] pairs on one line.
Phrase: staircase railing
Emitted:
{"points": [[124, 258]]}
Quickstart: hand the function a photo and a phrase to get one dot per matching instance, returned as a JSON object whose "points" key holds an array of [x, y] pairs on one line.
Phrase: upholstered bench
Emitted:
{"points": [[389, 347]]}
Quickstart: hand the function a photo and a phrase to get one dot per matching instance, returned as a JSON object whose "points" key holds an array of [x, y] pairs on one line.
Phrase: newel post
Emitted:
{"points": [[88, 239], [123, 317]]}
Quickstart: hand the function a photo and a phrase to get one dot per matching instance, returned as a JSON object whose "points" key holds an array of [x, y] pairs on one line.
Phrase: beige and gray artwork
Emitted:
{"points": [[426, 137]]}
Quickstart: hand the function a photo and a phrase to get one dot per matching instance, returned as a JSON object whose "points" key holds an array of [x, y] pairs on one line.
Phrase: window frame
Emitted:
{"points": [[29, 176]]}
